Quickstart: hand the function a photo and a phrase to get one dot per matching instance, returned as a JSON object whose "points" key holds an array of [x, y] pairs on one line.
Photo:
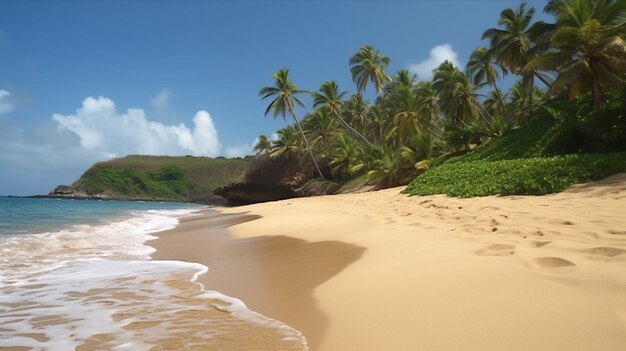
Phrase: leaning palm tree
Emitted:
{"points": [[368, 65], [330, 97], [284, 93], [589, 47], [263, 145]]}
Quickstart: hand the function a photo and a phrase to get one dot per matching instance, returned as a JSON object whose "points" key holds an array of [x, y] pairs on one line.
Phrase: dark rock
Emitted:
{"points": [[254, 192]]}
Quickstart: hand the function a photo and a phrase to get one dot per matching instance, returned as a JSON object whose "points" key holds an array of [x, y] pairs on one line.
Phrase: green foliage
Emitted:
{"points": [[570, 142], [529, 176], [569, 98], [563, 127], [166, 183], [161, 177]]}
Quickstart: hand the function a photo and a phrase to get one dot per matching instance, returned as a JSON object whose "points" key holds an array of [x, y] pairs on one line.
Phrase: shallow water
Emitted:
{"points": [[88, 284]]}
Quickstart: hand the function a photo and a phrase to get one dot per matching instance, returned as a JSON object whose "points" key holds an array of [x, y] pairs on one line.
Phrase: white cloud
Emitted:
{"points": [[438, 55], [241, 150], [104, 131], [5, 102], [161, 102], [58, 150]]}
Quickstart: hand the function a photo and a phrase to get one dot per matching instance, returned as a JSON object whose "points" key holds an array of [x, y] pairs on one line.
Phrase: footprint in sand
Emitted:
{"points": [[561, 222], [606, 251], [496, 250], [535, 244], [552, 262]]}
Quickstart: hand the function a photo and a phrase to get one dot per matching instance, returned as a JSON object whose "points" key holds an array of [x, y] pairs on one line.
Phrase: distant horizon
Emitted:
{"points": [[82, 82]]}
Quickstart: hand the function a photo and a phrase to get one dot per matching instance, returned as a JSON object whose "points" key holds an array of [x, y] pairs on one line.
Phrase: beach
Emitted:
{"points": [[385, 271]]}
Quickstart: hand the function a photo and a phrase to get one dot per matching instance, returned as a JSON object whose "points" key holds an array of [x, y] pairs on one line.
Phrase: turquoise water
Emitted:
{"points": [[38, 215]]}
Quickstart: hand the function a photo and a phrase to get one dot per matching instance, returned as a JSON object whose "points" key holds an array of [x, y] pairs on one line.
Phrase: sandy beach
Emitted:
{"points": [[384, 271]]}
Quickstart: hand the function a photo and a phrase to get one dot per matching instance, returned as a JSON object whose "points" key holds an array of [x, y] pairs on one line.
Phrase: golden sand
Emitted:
{"points": [[384, 271]]}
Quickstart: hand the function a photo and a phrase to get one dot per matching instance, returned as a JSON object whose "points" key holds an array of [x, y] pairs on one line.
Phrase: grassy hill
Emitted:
{"points": [[546, 156], [160, 177]]}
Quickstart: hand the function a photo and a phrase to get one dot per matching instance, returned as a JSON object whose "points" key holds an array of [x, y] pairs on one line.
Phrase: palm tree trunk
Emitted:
{"points": [[306, 142], [431, 129], [530, 96], [351, 129], [501, 102], [543, 80]]}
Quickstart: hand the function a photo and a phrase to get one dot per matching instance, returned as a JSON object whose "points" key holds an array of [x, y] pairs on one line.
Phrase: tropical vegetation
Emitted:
{"points": [[172, 178], [460, 133]]}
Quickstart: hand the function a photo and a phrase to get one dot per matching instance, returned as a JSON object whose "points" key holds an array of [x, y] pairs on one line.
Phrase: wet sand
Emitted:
{"points": [[383, 271]]}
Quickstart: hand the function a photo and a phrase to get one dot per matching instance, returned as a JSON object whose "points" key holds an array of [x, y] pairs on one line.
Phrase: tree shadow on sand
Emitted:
{"points": [[273, 275]]}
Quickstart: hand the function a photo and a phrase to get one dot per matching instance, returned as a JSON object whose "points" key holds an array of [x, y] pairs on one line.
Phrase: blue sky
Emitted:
{"points": [[86, 81]]}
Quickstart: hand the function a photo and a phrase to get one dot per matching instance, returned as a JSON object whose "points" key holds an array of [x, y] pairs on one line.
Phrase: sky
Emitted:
{"points": [[82, 82]]}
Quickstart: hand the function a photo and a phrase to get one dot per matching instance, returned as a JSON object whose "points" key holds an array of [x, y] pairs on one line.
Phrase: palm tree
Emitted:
{"points": [[287, 142], [344, 156], [482, 70], [482, 67], [519, 101], [263, 145], [402, 79], [456, 93], [330, 97], [388, 167], [368, 65], [355, 111], [513, 44], [422, 152], [284, 93], [495, 103], [406, 120], [589, 47], [378, 121], [429, 108], [319, 125]]}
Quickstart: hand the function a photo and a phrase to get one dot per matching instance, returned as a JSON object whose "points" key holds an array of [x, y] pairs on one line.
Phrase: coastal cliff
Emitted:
{"points": [[155, 178]]}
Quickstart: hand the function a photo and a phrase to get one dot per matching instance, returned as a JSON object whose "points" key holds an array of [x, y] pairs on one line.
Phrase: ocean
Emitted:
{"points": [[77, 275]]}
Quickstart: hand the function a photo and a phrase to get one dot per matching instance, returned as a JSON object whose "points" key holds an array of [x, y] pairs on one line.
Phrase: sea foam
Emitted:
{"points": [[94, 287]]}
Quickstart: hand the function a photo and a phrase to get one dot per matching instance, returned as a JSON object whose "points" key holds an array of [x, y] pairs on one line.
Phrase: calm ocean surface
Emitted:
{"points": [[77, 275], [35, 215]]}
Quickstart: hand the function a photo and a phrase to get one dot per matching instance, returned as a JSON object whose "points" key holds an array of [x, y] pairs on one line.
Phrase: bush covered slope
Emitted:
{"points": [[543, 157], [160, 177]]}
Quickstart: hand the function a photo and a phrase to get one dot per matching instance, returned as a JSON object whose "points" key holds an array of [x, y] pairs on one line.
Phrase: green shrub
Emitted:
{"points": [[529, 176], [567, 143]]}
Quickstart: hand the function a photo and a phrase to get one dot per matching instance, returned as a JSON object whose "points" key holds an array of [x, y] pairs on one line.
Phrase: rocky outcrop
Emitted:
{"points": [[66, 192], [254, 192]]}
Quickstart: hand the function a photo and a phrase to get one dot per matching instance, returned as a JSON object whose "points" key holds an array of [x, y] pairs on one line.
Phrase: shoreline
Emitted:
{"points": [[382, 270]]}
